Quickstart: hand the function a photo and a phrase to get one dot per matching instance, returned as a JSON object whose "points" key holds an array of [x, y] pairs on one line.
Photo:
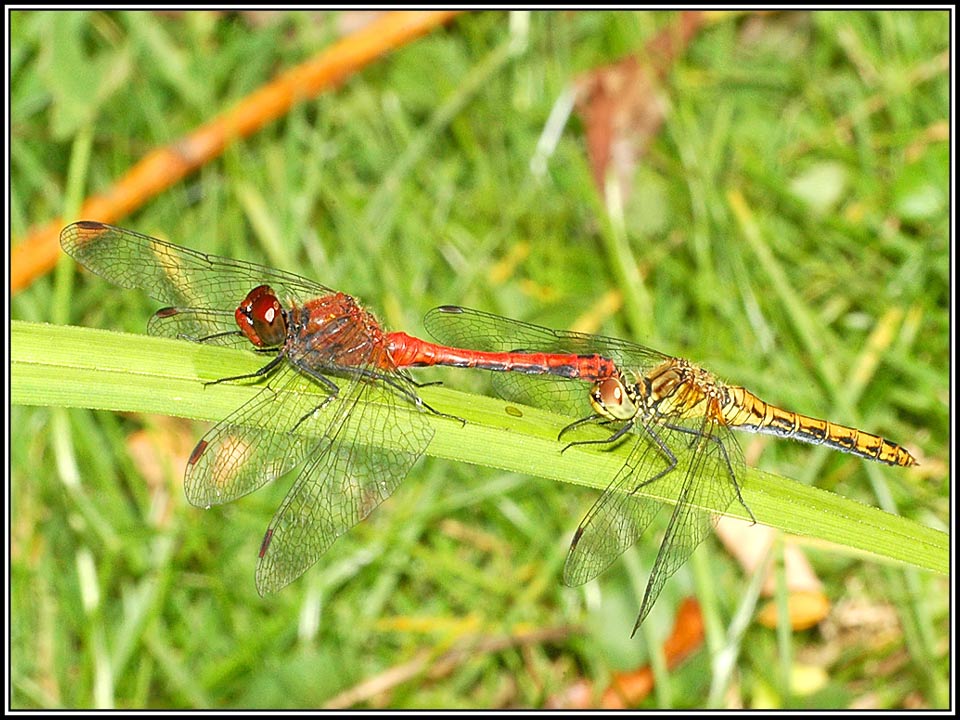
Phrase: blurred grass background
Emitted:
{"points": [[788, 228]]}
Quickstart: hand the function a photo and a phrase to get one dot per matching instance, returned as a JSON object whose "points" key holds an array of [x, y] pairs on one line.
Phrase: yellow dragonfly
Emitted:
{"points": [[679, 417]]}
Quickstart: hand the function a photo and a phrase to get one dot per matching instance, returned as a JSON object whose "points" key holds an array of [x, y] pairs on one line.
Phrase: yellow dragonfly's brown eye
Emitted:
{"points": [[610, 399]]}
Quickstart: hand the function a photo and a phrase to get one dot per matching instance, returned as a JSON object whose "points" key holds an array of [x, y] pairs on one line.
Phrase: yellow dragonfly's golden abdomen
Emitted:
{"points": [[744, 410]]}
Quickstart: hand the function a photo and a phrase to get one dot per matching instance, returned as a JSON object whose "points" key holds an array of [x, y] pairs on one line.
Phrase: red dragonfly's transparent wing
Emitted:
{"points": [[172, 274], [376, 437], [211, 327], [358, 447], [205, 289], [261, 440]]}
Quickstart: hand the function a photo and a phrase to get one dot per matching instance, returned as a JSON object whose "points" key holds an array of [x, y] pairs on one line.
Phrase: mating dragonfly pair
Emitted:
{"points": [[358, 444]]}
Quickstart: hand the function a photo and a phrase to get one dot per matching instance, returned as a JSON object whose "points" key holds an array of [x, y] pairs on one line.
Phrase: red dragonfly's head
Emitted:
{"points": [[261, 317]]}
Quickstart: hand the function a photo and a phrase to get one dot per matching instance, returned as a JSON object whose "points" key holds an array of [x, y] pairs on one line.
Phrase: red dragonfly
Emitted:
{"points": [[356, 445]]}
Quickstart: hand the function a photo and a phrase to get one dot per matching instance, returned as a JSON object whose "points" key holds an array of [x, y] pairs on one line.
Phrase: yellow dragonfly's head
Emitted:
{"points": [[611, 399]]}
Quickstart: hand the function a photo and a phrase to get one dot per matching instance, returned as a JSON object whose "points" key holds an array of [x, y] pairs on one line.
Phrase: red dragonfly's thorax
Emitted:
{"points": [[335, 328]]}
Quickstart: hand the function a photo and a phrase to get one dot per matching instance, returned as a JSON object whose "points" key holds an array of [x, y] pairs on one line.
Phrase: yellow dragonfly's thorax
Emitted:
{"points": [[674, 389], [679, 389]]}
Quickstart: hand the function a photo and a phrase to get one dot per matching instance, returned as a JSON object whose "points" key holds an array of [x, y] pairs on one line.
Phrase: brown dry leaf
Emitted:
{"points": [[621, 103], [622, 112], [750, 544], [806, 608], [630, 688]]}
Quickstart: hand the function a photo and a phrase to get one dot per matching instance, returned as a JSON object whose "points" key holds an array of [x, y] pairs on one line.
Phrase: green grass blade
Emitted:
{"points": [[61, 366]]}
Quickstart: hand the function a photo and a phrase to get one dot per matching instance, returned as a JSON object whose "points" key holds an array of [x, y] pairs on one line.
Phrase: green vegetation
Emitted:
{"points": [[787, 228]]}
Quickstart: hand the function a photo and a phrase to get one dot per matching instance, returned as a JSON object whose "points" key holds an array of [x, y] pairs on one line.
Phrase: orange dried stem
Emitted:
{"points": [[160, 169]]}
